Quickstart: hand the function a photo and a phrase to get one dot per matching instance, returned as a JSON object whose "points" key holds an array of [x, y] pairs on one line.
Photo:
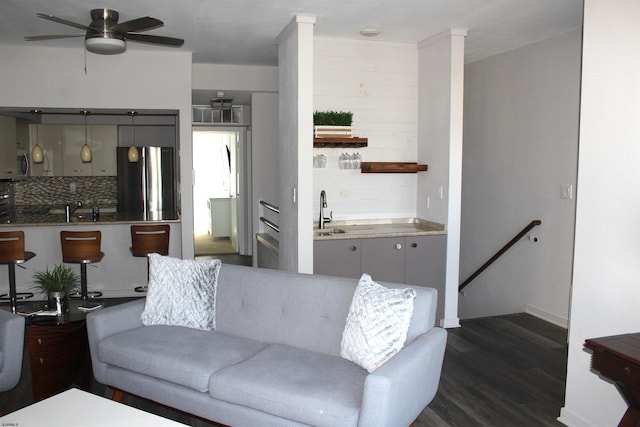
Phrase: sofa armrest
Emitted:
{"points": [[11, 346], [108, 321], [396, 392]]}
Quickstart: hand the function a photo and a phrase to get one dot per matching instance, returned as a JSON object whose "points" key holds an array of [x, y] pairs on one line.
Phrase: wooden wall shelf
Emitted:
{"points": [[340, 142], [392, 167]]}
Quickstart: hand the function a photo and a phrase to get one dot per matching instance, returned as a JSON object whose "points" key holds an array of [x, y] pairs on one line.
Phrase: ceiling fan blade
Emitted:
{"points": [[63, 21], [51, 37], [140, 24], [144, 38]]}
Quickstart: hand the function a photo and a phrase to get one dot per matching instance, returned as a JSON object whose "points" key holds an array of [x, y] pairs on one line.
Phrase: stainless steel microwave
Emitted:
{"points": [[23, 164]]}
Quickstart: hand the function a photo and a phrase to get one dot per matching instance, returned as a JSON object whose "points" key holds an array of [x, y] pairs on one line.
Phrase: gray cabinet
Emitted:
{"points": [[337, 257], [8, 148], [426, 260], [383, 258], [414, 260]]}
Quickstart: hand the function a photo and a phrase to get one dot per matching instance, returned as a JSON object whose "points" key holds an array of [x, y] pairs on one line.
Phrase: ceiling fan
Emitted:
{"points": [[105, 36]]}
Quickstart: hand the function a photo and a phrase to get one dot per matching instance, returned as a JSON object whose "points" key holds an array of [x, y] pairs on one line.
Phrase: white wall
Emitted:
{"points": [[520, 146], [295, 61], [250, 78], [54, 77], [441, 70], [378, 82], [605, 290]]}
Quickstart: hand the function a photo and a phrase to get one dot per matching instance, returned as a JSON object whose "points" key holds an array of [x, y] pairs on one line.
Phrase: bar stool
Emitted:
{"points": [[12, 253], [82, 247], [147, 240]]}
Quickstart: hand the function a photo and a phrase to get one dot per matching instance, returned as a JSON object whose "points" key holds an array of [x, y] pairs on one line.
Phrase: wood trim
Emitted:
{"points": [[352, 142], [392, 167]]}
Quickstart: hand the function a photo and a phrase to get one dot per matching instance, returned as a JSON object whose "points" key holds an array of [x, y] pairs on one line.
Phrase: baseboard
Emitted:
{"points": [[546, 315], [451, 322], [571, 419]]}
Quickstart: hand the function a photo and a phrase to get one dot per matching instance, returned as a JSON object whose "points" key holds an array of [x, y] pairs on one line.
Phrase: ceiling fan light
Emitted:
{"points": [[85, 153], [133, 155], [37, 155], [105, 46]]}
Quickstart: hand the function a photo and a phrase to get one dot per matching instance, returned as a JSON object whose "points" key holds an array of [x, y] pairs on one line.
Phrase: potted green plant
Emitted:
{"points": [[331, 124], [57, 283]]}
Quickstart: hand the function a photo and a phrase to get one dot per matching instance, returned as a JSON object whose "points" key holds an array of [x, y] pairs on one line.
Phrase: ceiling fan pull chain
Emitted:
{"points": [[85, 62]]}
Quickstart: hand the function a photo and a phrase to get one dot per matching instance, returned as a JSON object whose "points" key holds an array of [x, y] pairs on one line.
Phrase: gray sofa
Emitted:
{"points": [[274, 358], [11, 348]]}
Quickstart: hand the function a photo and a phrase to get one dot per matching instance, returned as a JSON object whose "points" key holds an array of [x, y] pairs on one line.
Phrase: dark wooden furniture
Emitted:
{"points": [[618, 359], [11, 253], [147, 240], [82, 247], [58, 357]]}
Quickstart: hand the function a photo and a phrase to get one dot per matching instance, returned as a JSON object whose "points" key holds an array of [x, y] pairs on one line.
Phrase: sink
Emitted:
{"points": [[330, 231]]}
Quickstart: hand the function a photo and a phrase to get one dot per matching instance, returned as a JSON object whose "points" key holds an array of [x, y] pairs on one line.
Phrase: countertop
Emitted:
{"points": [[48, 216], [359, 229]]}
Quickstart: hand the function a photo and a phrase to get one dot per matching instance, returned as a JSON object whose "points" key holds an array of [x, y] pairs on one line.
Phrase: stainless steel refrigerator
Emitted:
{"points": [[146, 188]]}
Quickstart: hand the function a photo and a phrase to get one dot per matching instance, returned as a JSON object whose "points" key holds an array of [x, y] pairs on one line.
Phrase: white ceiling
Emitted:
{"points": [[244, 31]]}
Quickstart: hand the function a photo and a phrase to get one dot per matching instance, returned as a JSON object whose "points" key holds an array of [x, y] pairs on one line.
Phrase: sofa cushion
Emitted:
{"points": [[311, 388], [180, 355], [181, 292], [377, 323]]}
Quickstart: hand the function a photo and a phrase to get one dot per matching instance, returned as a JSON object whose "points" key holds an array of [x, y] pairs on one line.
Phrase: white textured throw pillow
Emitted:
{"points": [[377, 323], [181, 292]]}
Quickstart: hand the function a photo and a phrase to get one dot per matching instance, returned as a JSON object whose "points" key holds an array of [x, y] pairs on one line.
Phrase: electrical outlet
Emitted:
{"points": [[72, 187], [441, 193]]}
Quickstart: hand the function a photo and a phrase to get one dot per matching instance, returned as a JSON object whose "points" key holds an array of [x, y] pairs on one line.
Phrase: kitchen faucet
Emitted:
{"points": [[70, 209], [323, 204]]}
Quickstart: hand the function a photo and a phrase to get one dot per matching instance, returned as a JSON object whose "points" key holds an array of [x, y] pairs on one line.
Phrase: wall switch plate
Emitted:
{"points": [[566, 191]]}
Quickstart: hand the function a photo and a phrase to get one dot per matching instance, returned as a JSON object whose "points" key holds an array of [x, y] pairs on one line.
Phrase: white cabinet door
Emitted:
{"points": [[104, 140], [8, 148], [49, 137], [73, 138]]}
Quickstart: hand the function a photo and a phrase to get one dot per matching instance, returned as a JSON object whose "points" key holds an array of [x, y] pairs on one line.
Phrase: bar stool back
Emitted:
{"points": [[82, 247], [12, 253], [147, 240]]}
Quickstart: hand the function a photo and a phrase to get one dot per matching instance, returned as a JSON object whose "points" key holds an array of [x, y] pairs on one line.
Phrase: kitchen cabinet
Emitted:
{"points": [[104, 140], [337, 257], [426, 260], [49, 137], [383, 258], [414, 260], [73, 138], [8, 148], [61, 145]]}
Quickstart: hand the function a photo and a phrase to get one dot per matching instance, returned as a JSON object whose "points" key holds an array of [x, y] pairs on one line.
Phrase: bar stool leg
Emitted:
{"points": [[13, 295], [83, 281], [144, 288]]}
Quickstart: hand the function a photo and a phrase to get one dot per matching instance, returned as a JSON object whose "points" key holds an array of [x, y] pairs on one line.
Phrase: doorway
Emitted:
{"points": [[219, 213]]}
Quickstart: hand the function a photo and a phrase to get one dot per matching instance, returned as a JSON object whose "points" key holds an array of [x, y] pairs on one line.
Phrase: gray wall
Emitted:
{"points": [[520, 148]]}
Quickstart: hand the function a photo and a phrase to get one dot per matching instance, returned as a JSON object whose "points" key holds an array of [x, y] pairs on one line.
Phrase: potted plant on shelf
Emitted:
{"points": [[332, 124], [57, 283]]}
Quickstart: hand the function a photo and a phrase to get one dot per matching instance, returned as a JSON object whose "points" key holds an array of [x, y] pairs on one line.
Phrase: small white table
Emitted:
{"points": [[76, 408]]}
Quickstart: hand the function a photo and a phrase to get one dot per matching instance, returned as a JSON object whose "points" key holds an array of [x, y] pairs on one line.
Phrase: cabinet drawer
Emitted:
{"points": [[56, 354], [616, 369]]}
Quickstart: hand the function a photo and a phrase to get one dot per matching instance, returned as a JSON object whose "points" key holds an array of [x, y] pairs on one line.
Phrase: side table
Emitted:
{"points": [[618, 359]]}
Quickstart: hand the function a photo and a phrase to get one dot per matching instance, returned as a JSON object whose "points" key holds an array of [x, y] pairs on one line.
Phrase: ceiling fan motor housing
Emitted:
{"points": [[101, 38]]}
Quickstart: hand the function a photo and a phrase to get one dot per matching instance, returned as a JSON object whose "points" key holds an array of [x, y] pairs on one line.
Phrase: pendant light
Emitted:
{"points": [[85, 151], [133, 155], [37, 155]]}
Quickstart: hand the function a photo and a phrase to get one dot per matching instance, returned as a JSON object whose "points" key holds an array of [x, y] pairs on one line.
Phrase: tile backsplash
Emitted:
{"points": [[41, 192]]}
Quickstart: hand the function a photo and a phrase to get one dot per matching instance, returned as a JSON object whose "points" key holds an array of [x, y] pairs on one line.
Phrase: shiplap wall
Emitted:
{"points": [[378, 82]]}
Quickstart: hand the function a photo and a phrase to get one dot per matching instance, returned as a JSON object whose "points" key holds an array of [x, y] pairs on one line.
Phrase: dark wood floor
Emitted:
{"points": [[501, 371], [498, 371]]}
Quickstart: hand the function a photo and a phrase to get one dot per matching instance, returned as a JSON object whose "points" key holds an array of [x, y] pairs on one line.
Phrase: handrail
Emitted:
{"points": [[498, 254], [270, 224], [269, 206]]}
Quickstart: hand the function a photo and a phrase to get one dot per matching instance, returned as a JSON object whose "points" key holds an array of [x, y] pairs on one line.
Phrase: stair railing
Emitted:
{"points": [[501, 252]]}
